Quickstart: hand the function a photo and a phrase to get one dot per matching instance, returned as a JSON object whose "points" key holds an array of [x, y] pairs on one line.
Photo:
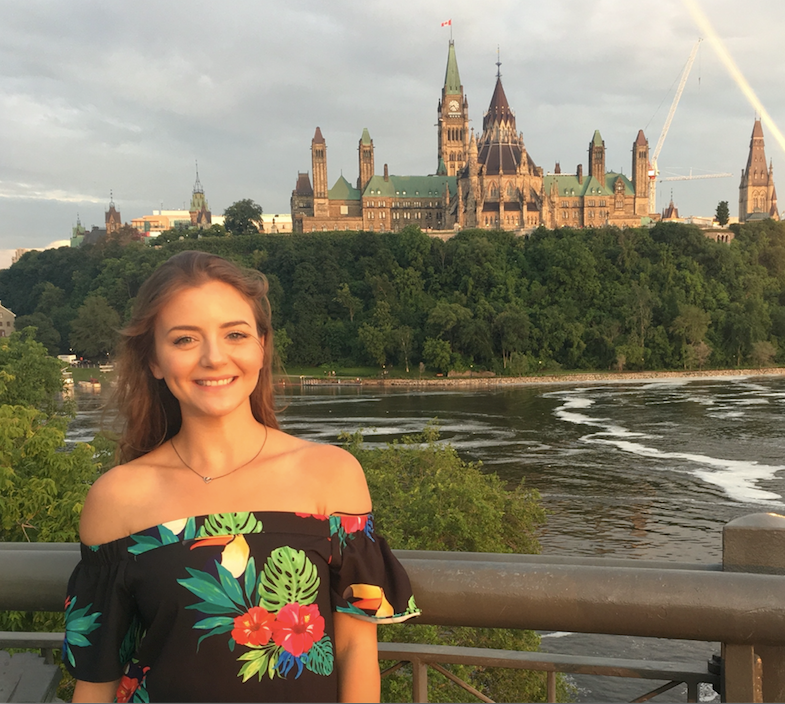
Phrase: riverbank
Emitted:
{"points": [[566, 378]]}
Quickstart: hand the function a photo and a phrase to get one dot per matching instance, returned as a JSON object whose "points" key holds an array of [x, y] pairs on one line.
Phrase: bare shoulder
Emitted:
{"points": [[339, 476], [112, 502]]}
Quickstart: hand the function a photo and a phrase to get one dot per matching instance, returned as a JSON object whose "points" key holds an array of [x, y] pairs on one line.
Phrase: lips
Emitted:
{"points": [[215, 382]]}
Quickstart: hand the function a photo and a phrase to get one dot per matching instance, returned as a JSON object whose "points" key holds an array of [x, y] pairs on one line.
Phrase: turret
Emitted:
{"points": [[597, 157], [319, 170], [365, 151]]}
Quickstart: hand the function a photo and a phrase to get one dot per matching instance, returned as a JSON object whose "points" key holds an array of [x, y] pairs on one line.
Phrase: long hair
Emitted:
{"points": [[149, 409]]}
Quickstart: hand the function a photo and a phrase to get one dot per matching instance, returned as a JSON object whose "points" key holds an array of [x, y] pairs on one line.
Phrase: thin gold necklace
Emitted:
{"points": [[207, 479]]}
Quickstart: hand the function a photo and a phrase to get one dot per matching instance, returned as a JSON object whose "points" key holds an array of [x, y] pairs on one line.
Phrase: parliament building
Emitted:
{"points": [[483, 180]]}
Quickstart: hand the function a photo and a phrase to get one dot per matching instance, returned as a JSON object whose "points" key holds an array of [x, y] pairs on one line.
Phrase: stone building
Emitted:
{"points": [[378, 203], [199, 210], [7, 319], [500, 186], [757, 195], [112, 217], [599, 197], [487, 180]]}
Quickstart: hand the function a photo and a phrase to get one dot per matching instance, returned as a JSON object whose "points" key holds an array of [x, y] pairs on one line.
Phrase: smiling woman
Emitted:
{"points": [[263, 586]]}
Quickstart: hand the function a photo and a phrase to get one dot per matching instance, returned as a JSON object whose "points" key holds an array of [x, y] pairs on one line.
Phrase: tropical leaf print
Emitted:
{"points": [[78, 625], [230, 524], [288, 577], [259, 662], [132, 640], [143, 543], [270, 614], [320, 657], [411, 607], [215, 600]]}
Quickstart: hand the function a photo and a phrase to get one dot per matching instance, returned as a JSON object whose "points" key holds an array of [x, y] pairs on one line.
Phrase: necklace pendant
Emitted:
{"points": [[207, 480]]}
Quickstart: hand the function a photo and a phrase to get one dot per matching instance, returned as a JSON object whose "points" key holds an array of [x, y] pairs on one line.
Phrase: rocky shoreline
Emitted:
{"points": [[589, 377]]}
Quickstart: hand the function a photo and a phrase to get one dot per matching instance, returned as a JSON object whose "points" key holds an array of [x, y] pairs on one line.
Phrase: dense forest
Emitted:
{"points": [[661, 298]]}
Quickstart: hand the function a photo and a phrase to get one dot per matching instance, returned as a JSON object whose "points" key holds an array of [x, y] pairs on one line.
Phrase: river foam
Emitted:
{"points": [[739, 479]]}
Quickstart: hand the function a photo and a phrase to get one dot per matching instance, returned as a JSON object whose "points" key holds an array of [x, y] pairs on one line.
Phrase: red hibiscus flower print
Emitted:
{"points": [[297, 628], [254, 627], [354, 524]]}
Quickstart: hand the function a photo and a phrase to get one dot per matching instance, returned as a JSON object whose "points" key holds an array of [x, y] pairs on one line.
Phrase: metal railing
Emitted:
{"points": [[741, 604]]}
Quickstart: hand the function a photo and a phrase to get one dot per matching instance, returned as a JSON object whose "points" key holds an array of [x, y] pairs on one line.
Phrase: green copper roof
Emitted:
{"points": [[442, 168], [366, 138], [567, 185], [452, 80], [410, 186], [343, 190], [597, 139]]}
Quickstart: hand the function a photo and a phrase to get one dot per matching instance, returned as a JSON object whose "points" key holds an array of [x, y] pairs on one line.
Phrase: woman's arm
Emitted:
{"points": [[357, 659], [95, 691]]}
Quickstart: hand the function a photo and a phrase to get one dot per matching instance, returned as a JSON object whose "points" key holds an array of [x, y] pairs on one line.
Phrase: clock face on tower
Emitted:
{"points": [[453, 106]]}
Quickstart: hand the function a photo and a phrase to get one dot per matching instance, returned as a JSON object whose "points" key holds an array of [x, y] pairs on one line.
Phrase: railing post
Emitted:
{"points": [[754, 543], [419, 680]]}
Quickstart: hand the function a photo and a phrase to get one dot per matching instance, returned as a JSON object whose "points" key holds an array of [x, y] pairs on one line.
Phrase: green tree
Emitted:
{"points": [[763, 353], [282, 343], [43, 483], [512, 330], [345, 298], [723, 213], [45, 331], [94, 330], [243, 217], [437, 354], [375, 342], [30, 377]]}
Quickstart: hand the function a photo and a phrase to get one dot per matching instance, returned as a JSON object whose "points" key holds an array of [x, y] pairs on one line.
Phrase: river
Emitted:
{"points": [[648, 470]]}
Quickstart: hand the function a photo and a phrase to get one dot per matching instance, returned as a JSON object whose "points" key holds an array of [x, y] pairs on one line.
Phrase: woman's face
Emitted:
{"points": [[207, 349]]}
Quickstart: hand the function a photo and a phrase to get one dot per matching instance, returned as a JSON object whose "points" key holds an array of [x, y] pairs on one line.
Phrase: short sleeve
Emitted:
{"points": [[366, 579], [99, 615]]}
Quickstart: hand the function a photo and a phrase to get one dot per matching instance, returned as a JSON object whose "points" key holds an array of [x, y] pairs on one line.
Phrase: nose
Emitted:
{"points": [[213, 353]]}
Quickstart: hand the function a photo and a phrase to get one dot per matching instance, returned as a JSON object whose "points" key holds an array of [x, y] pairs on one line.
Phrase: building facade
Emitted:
{"points": [[757, 195], [485, 180], [7, 319], [378, 203]]}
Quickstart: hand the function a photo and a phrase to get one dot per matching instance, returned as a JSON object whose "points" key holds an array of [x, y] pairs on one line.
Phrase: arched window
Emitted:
{"points": [[493, 191]]}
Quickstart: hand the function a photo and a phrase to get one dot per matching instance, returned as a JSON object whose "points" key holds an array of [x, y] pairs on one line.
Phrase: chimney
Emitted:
{"points": [[557, 170], [580, 173], [386, 173]]}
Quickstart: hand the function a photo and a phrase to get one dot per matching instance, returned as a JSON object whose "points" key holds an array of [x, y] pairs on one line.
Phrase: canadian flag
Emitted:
{"points": [[448, 23]]}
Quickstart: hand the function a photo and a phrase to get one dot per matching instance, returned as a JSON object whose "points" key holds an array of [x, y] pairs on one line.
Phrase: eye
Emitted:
{"points": [[183, 340], [237, 335]]}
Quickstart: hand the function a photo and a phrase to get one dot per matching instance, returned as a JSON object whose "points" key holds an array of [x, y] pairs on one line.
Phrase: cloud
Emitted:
{"points": [[99, 96]]}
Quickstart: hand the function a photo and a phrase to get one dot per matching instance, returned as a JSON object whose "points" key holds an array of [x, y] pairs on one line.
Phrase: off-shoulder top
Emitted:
{"points": [[228, 606]]}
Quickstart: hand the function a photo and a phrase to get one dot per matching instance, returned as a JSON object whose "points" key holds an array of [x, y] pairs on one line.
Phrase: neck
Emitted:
{"points": [[215, 445]]}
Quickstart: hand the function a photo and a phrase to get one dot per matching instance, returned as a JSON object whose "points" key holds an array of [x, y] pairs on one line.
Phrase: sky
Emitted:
{"points": [[125, 97]]}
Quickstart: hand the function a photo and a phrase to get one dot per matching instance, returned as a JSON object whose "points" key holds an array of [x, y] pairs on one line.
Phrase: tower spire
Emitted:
{"points": [[498, 63], [198, 185]]}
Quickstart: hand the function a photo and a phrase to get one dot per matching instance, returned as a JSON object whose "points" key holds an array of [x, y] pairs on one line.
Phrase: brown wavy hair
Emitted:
{"points": [[149, 409]]}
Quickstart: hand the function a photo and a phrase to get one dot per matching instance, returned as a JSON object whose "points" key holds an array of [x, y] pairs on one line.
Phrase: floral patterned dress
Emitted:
{"points": [[228, 607]]}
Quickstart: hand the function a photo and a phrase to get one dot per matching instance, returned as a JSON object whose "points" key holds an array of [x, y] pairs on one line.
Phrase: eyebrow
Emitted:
{"points": [[196, 328]]}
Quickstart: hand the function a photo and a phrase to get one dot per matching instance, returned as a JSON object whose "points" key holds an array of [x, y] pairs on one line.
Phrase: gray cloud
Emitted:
{"points": [[125, 96]]}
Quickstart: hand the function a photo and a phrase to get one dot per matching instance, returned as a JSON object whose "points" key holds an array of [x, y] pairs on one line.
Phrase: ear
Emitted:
{"points": [[156, 370]]}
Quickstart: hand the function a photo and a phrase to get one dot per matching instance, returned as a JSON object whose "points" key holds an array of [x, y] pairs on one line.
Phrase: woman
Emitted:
{"points": [[224, 560]]}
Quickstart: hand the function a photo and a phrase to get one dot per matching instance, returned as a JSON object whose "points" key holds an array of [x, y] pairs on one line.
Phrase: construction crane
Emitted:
{"points": [[692, 177], [654, 171]]}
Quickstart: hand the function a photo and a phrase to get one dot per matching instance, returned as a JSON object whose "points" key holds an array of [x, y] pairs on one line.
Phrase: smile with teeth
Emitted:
{"points": [[215, 382]]}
